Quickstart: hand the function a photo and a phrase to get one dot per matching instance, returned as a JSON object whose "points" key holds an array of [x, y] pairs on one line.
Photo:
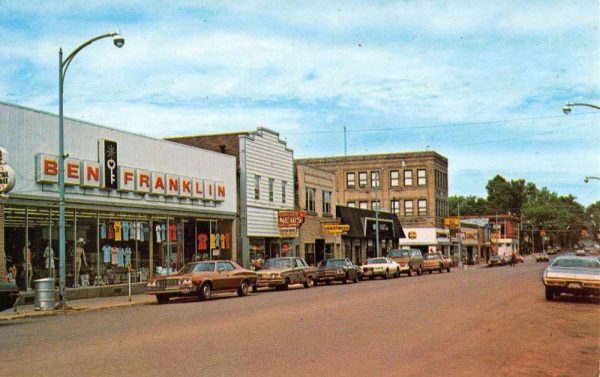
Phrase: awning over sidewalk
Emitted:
{"points": [[362, 222]]}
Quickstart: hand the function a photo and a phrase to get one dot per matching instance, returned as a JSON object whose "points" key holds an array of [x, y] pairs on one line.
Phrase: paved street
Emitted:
{"points": [[478, 322]]}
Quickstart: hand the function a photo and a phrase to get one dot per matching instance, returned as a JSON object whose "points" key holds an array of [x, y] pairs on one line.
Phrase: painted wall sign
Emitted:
{"points": [[290, 219], [7, 174], [336, 229]]}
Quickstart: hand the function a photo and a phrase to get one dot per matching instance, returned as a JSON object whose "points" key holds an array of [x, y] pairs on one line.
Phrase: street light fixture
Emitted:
{"points": [[568, 105], [587, 179], [63, 65]]}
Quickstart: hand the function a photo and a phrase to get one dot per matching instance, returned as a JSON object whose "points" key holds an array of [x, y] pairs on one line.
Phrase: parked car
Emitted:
{"points": [[580, 252], [520, 258], [410, 260], [542, 257], [383, 267], [9, 293], [435, 262], [201, 279], [505, 259], [339, 269], [552, 251], [495, 260], [573, 275], [280, 273]]}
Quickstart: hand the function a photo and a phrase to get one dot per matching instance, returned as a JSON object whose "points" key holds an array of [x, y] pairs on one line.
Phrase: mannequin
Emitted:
{"points": [[49, 257], [27, 269], [79, 256]]}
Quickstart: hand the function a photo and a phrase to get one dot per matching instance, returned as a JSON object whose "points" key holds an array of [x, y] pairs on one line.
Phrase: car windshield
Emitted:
{"points": [[187, 268], [335, 263], [576, 263], [376, 260], [398, 253], [278, 263], [204, 266]]}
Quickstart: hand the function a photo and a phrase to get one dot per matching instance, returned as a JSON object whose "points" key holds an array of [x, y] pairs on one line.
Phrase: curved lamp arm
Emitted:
{"points": [[67, 61], [568, 105]]}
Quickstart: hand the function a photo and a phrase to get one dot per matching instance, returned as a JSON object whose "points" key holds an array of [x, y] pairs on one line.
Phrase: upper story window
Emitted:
{"points": [[408, 178], [362, 179], [350, 180], [283, 189], [326, 202], [375, 205], [310, 199], [421, 177], [394, 178], [374, 179], [351, 204], [395, 206], [408, 208], [257, 187], [271, 189], [363, 204], [422, 207]]}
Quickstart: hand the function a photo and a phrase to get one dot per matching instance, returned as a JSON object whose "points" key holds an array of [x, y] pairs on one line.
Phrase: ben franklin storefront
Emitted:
{"points": [[131, 201]]}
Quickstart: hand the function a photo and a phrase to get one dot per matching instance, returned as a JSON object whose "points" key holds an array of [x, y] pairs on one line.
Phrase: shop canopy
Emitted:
{"points": [[358, 218]]}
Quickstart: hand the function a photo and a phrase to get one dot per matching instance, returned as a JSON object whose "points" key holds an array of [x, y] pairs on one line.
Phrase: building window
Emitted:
{"points": [[351, 204], [375, 205], [362, 179], [310, 199], [363, 205], [394, 178], [271, 189], [350, 180], [408, 208], [422, 203], [326, 202], [395, 206], [375, 179], [421, 177], [408, 178], [283, 189], [257, 187]]}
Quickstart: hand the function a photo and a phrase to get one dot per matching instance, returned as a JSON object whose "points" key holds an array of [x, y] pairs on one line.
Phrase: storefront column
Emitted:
{"points": [[151, 249], [2, 252]]}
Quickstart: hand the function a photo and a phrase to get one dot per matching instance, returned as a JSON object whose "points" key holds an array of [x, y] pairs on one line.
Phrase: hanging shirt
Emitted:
{"points": [[114, 251], [120, 257], [202, 238], [132, 231], [180, 232], [143, 231], [127, 256], [106, 251], [125, 225], [118, 231], [163, 232], [158, 239], [103, 230], [172, 232], [111, 231]]}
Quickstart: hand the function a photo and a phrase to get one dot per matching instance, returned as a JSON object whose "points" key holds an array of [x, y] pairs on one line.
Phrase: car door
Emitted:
{"points": [[221, 280], [298, 271], [234, 276]]}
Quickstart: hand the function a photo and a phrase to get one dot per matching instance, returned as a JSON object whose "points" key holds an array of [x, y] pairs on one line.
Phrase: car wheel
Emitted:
{"points": [[397, 273], [327, 282], [162, 299], [205, 291], [372, 277], [309, 282], [448, 269], [254, 288], [409, 271], [346, 278], [243, 289], [420, 271], [441, 270], [387, 274], [549, 294], [355, 278]]}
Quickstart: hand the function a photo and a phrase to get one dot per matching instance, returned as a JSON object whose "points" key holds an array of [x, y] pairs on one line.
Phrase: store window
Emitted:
{"points": [[309, 253], [395, 206], [375, 179], [271, 189], [257, 187], [283, 189], [422, 203], [394, 178], [408, 208], [363, 204], [421, 177], [375, 205], [408, 178], [310, 199], [362, 179], [350, 180], [351, 204], [326, 202]]}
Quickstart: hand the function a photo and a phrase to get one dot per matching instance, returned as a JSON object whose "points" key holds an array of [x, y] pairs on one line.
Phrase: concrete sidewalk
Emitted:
{"points": [[77, 306]]}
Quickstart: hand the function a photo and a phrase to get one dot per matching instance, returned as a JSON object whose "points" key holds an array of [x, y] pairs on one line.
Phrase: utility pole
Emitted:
{"points": [[460, 263], [378, 250]]}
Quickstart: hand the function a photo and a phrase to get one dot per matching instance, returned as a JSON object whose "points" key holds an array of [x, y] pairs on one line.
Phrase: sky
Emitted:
{"points": [[480, 82]]}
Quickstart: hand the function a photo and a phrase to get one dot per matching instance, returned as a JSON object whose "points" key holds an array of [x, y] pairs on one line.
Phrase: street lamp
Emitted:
{"points": [[378, 249], [568, 105], [63, 65], [587, 179]]}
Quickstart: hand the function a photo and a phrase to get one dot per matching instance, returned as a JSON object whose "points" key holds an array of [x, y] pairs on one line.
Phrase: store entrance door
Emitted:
{"points": [[319, 250]]}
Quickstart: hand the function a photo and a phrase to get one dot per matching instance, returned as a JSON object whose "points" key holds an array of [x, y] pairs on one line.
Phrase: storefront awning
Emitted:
{"points": [[357, 218]]}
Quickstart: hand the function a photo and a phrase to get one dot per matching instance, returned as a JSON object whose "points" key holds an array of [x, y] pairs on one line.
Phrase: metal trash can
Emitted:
{"points": [[45, 294]]}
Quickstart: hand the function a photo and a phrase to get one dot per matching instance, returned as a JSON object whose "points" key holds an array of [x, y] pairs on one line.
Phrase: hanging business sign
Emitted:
{"points": [[386, 228], [290, 232], [290, 219], [336, 229], [7, 174], [451, 222]]}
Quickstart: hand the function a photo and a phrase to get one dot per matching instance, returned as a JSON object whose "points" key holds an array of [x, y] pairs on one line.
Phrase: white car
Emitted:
{"points": [[383, 267]]}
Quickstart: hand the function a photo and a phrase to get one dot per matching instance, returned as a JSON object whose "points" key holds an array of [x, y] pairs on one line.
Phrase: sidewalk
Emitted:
{"points": [[77, 306]]}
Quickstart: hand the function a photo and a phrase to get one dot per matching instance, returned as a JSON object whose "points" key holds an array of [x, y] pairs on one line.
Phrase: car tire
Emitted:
{"points": [[420, 271], [372, 277], [254, 288], [448, 269], [397, 273], [205, 291], [387, 274], [243, 289], [309, 282], [441, 269], [356, 278], [162, 299], [550, 294], [346, 278], [327, 282]]}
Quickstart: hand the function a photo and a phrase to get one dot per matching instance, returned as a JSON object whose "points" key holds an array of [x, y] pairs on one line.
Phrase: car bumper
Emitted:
{"points": [[261, 283], [179, 291], [370, 273]]}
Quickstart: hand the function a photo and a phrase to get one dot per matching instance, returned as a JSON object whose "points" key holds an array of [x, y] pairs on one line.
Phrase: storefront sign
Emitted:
{"points": [[290, 219], [7, 174], [288, 232], [336, 229], [88, 174], [108, 154], [451, 222], [386, 228], [412, 234]]}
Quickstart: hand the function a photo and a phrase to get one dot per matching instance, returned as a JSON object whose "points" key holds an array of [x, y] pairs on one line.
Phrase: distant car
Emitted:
{"points": [[9, 293], [339, 269], [495, 260], [435, 262], [542, 257], [552, 251], [520, 258], [382, 267], [279, 273], [201, 279], [410, 260], [505, 259], [574, 275], [580, 252]]}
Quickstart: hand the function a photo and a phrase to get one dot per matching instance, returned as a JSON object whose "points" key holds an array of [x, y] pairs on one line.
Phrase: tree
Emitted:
{"points": [[505, 196], [469, 205]]}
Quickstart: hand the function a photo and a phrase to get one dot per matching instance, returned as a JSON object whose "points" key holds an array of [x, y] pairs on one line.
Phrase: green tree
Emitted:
{"points": [[469, 205]]}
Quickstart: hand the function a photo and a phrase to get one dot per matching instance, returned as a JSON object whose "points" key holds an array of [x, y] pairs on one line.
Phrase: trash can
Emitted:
{"points": [[45, 294]]}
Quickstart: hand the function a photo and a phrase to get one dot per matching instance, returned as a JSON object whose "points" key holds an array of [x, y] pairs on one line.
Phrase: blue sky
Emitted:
{"points": [[481, 82]]}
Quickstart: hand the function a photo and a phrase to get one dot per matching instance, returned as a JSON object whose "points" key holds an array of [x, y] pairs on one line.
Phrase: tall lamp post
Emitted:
{"points": [[378, 249], [568, 105], [63, 65]]}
